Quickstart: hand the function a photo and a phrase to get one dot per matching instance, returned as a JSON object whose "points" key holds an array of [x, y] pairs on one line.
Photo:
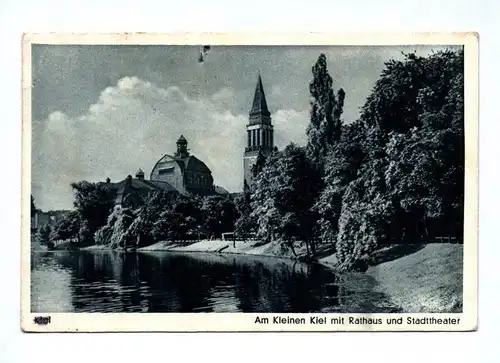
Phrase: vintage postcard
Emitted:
{"points": [[250, 182]]}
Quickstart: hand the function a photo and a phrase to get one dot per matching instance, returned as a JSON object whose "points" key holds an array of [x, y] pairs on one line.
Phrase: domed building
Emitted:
{"points": [[180, 173], [185, 172]]}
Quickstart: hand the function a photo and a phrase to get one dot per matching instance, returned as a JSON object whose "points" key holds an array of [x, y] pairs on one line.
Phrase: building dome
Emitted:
{"points": [[183, 171]]}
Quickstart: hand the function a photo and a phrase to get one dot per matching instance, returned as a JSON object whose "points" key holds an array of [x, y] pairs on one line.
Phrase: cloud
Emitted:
{"points": [[132, 125], [290, 126], [223, 94]]}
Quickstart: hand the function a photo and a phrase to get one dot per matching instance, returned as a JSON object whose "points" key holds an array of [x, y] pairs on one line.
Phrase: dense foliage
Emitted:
{"points": [[93, 204], [66, 228], [283, 195], [43, 236], [168, 216], [245, 224], [326, 109], [399, 176]]}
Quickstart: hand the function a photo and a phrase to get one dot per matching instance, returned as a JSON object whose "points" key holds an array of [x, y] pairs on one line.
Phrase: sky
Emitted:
{"points": [[106, 111]]}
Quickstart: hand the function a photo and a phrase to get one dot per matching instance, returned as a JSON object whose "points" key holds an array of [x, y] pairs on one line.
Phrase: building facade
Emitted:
{"points": [[260, 136], [132, 192], [179, 173], [184, 172]]}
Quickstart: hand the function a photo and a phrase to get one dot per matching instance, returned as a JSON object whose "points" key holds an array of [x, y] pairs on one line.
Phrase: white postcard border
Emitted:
{"points": [[246, 322]]}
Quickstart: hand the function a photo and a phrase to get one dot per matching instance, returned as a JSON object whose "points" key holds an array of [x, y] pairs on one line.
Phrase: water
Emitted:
{"points": [[109, 281]]}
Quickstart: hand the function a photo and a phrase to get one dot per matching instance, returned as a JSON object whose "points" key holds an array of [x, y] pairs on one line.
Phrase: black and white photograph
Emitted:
{"points": [[250, 178]]}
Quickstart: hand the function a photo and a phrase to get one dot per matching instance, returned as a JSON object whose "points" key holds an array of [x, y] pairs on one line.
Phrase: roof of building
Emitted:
{"points": [[182, 139], [188, 163], [124, 186], [259, 105]]}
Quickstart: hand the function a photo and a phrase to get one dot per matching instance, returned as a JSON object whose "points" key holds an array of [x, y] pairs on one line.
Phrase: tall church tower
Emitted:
{"points": [[260, 138]]}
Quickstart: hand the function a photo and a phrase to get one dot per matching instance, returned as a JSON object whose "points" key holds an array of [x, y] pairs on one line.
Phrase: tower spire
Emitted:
{"points": [[259, 104], [259, 135]]}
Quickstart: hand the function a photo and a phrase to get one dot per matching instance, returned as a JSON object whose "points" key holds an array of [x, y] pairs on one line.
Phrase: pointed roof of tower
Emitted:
{"points": [[259, 105], [182, 139]]}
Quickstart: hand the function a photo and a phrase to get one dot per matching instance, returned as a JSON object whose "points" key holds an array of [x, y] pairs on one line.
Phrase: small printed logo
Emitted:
{"points": [[42, 320]]}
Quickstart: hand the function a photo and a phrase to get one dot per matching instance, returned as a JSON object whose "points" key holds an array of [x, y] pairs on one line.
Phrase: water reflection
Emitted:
{"points": [[109, 281]]}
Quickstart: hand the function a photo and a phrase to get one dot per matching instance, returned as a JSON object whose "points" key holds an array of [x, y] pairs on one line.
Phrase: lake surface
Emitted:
{"points": [[110, 281]]}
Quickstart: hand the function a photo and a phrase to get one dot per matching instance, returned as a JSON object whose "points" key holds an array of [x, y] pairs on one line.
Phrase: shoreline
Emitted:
{"points": [[423, 278], [417, 278], [219, 247]]}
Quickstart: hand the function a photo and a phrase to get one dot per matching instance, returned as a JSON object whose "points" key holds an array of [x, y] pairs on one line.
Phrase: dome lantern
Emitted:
{"points": [[182, 150], [139, 174]]}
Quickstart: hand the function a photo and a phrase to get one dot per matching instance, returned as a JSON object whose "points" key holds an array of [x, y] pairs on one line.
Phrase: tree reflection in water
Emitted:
{"points": [[111, 281]]}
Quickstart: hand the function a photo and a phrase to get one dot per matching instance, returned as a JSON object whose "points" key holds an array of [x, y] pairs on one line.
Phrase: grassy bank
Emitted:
{"points": [[426, 278]]}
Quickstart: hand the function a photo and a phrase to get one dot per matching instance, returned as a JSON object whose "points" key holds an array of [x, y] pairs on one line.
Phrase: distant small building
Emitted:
{"points": [[40, 218], [179, 173]]}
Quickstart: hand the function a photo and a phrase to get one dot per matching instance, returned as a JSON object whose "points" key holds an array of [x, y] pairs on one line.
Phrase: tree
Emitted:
{"points": [[179, 221], [326, 109], [245, 224], [189, 216], [167, 226], [258, 165], [93, 203], [142, 231], [66, 227], [412, 176], [164, 216], [34, 209], [43, 236], [284, 193], [409, 182], [410, 88], [113, 233], [341, 167], [442, 118], [124, 220], [219, 214], [103, 235], [365, 216], [426, 144]]}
